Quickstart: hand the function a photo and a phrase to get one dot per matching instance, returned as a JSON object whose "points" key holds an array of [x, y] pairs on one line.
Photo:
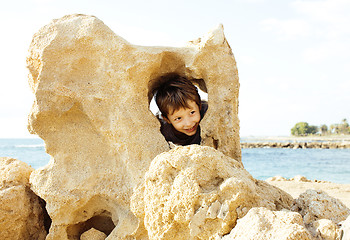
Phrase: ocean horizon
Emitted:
{"points": [[315, 164]]}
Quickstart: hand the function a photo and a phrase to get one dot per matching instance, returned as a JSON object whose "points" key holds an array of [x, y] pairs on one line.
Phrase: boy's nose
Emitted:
{"points": [[187, 122]]}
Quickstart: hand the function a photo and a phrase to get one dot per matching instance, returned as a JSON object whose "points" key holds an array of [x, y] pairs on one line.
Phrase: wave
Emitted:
{"points": [[30, 146]]}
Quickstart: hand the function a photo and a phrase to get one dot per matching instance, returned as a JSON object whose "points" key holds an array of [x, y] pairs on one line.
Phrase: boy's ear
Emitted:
{"points": [[166, 119]]}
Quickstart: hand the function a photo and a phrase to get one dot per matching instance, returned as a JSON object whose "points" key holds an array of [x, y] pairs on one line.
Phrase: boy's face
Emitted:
{"points": [[185, 120]]}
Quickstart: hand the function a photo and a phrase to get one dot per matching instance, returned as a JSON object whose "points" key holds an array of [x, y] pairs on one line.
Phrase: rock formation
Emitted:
{"points": [[92, 94], [112, 174], [93, 234], [321, 214], [21, 213], [345, 229], [326, 230], [264, 224], [316, 204], [196, 192]]}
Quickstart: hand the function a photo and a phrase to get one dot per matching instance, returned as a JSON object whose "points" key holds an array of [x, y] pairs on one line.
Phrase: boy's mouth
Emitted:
{"points": [[192, 129]]}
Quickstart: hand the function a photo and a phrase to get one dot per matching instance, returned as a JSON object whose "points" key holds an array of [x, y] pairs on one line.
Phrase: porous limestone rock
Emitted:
{"points": [[326, 230], [92, 94], [299, 178], [21, 213], [196, 192], [276, 178], [316, 204], [345, 229], [263, 224], [93, 234], [14, 172]]}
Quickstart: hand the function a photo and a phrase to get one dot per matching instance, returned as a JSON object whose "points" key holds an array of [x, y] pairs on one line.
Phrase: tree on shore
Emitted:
{"points": [[303, 129], [333, 129], [324, 129], [341, 128], [344, 128]]}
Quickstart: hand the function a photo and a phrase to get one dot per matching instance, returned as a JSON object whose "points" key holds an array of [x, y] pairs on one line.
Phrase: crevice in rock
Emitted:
{"points": [[102, 222], [215, 143], [46, 217], [211, 185]]}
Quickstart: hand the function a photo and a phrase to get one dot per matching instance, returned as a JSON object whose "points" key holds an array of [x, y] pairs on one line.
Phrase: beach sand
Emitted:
{"points": [[336, 190]]}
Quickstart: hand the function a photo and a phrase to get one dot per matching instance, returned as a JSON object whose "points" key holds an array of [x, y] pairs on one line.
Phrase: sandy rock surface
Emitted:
{"points": [[196, 192], [92, 94], [111, 172], [264, 224], [345, 229], [316, 204], [21, 214], [14, 172], [93, 234], [326, 229]]}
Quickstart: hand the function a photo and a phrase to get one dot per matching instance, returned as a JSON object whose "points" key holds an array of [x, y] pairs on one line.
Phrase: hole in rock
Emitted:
{"points": [[212, 184], [178, 130], [102, 222], [215, 143]]}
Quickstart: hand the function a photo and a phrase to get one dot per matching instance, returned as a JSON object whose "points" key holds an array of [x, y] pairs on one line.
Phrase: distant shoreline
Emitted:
{"points": [[331, 138], [321, 142]]}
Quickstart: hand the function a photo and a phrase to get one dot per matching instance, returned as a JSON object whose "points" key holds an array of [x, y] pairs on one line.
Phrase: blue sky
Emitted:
{"points": [[293, 56]]}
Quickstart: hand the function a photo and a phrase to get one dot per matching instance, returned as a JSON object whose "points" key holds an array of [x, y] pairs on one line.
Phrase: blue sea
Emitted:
{"points": [[321, 164]]}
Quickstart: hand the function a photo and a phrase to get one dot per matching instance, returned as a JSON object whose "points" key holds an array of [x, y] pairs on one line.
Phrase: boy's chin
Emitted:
{"points": [[190, 134]]}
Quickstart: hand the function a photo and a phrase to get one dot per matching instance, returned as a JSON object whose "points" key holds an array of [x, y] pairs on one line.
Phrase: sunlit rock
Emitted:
{"points": [[345, 228], [92, 93], [196, 192], [316, 204], [326, 230], [21, 211], [264, 224]]}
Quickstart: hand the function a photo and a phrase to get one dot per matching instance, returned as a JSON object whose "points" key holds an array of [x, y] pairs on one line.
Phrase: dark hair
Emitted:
{"points": [[173, 93]]}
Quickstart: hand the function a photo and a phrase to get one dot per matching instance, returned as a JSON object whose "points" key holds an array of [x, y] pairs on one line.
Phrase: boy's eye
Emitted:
{"points": [[193, 112], [177, 119]]}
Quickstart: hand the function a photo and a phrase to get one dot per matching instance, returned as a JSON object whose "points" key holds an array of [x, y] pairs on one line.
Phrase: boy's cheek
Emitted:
{"points": [[198, 118]]}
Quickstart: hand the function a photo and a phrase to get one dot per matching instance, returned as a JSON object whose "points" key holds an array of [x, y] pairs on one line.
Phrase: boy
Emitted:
{"points": [[181, 109]]}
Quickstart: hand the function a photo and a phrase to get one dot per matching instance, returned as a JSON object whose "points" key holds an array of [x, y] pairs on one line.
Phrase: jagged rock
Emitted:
{"points": [[93, 234], [345, 229], [14, 172], [316, 204], [326, 230], [21, 213], [92, 94], [263, 224], [196, 192], [299, 178], [277, 178]]}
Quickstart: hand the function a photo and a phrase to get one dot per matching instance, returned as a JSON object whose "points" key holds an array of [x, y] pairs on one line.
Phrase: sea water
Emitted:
{"points": [[321, 164], [31, 151]]}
